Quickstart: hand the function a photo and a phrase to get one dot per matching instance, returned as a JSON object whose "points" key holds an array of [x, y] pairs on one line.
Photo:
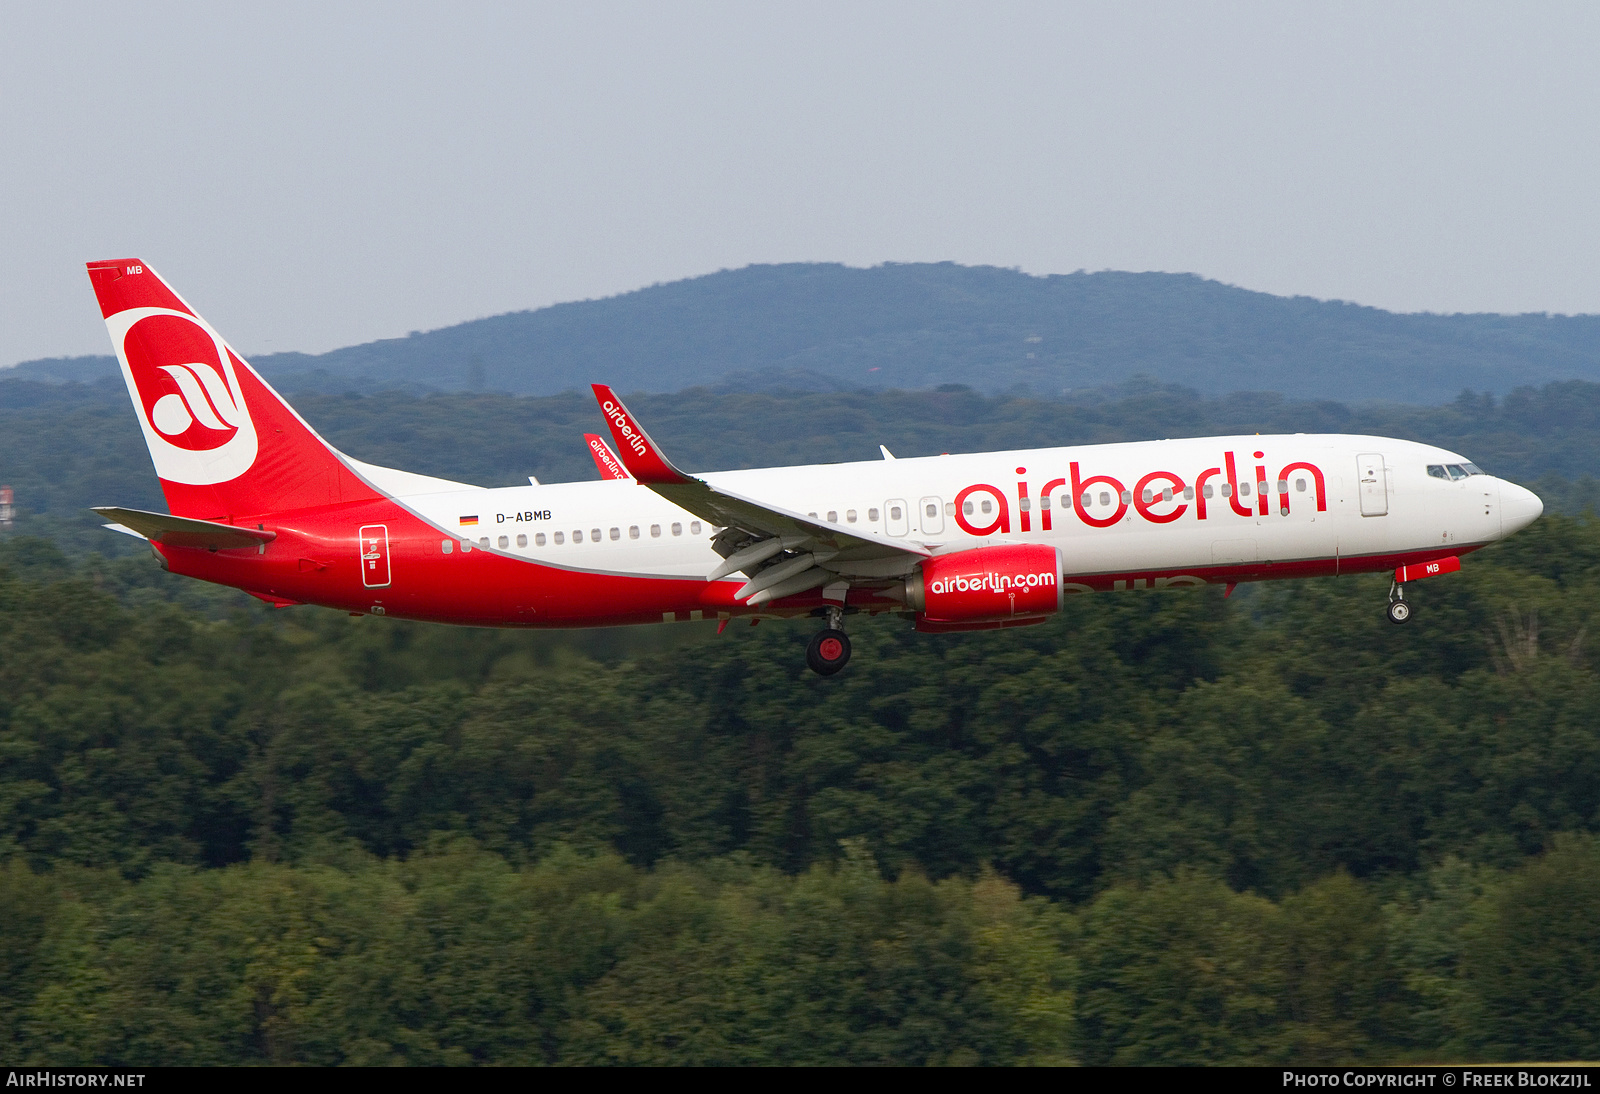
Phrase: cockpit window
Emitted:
{"points": [[1456, 470], [1474, 469], [1437, 471], [1453, 470]]}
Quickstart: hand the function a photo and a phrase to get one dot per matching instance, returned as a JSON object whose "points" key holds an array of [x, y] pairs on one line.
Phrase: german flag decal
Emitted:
{"points": [[467, 522]]}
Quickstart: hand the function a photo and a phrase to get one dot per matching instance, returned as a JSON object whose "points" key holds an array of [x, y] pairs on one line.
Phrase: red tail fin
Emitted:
{"points": [[224, 443]]}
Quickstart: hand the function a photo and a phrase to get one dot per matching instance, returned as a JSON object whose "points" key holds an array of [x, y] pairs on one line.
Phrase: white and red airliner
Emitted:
{"points": [[958, 542]]}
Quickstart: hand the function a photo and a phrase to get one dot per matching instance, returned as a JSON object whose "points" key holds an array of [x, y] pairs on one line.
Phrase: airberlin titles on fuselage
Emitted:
{"points": [[1149, 497]]}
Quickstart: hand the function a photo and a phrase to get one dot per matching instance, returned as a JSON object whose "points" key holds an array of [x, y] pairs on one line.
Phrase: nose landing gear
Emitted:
{"points": [[1399, 610], [829, 651]]}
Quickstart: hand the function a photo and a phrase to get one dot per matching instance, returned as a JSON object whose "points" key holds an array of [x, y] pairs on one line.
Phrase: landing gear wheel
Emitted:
{"points": [[828, 652], [1399, 611]]}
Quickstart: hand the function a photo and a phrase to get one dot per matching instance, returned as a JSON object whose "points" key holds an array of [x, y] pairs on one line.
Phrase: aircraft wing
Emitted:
{"points": [[783, 552], [183, 531]]}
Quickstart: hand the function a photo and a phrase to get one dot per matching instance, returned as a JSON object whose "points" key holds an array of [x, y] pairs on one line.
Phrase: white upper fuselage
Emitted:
{"points": [[956, 502]]}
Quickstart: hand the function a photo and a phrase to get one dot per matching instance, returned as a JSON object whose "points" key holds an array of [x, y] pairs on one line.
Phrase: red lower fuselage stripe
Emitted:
{"points": [[317, 559]]}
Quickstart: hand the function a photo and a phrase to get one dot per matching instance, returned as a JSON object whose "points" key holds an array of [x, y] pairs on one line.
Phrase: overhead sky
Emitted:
{"points": [[321, 174]]}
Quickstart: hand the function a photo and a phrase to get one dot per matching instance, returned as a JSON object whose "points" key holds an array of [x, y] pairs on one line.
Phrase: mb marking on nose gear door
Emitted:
{"points": [[375, 556], [1374, 485]]}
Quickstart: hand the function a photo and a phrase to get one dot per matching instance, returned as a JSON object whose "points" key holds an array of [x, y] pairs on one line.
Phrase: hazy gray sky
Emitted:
{"points": [[315, 175]]}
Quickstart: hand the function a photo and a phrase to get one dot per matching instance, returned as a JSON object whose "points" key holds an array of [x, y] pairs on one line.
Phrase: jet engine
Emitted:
{"points": [[1011, 585]]}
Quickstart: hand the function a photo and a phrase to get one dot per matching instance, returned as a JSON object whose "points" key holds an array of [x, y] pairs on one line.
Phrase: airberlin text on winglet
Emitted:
{"points": [[604, 460], [648, 465], [623, 428]]}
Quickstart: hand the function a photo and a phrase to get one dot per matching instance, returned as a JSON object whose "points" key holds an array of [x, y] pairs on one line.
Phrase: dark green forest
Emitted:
{"points": [[914, 326], [1161, 828], [1164, 827]]}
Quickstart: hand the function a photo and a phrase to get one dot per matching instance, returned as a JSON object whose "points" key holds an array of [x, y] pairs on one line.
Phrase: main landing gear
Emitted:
{"points": [[1399, 610], [829, 651]]}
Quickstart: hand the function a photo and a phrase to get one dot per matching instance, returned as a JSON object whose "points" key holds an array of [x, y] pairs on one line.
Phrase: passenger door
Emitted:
{"points": [[1374, 484]]}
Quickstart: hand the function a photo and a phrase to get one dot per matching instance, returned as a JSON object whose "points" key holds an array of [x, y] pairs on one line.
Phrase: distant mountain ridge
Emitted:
{"points": [[820, 327]]}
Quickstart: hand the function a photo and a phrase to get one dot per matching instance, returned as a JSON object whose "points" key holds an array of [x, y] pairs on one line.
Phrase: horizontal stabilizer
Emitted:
{"points": [[173, 531]]}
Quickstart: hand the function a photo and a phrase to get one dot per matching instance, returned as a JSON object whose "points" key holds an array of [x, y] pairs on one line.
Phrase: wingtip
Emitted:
{"points": [[639, 454]]}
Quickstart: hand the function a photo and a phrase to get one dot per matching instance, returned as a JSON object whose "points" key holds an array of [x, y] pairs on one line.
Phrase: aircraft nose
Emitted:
{"points": [[1519, 507]]}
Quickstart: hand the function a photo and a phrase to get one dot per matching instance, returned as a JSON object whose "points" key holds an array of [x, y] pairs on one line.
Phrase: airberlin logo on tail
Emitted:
{"points": [[177, 367], [624, 427], [184, 380]]}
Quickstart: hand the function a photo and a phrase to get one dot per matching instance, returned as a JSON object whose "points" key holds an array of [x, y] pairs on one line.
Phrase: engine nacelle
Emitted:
{"points": [[1009, 585]]}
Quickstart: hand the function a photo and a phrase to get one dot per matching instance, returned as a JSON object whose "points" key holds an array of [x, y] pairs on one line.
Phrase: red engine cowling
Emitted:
{"points": [[1007, 586]]}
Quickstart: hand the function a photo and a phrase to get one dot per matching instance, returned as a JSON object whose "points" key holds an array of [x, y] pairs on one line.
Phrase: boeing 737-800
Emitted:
{"points": [[260, 502]]}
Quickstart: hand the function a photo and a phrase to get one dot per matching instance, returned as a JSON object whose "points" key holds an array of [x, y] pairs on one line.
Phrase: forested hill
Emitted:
{"points": [[1162, 828], [822, 327]]}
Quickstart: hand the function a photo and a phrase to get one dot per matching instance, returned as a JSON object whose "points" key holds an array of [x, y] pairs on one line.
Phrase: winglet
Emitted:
{"points": [[610, 467], [640, 455]]}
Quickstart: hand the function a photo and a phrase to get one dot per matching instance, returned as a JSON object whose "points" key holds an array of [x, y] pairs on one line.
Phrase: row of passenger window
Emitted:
{"points": [[850, 516], [596, 535], [896, 513]]}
